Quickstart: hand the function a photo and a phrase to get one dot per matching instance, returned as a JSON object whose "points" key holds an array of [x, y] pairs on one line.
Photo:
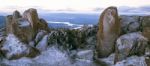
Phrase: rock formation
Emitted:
{"points": [[21, 30], [130, 44], [29, 36], [27, 26], [108, 31], [146, 26]]}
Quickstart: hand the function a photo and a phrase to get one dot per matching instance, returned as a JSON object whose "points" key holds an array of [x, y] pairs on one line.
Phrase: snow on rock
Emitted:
{"points": [[109, 60], [13, 48], [82, 62], [53, 56], [42, 45], [20, 62], [132, 61]]}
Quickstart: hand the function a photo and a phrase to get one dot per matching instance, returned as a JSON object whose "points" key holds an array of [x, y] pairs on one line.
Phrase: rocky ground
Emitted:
{"points": [[123, 41]]}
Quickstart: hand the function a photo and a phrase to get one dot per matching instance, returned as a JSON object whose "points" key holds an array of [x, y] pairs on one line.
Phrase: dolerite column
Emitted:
{"points": [[32, 16], [146, 26], [108, 32]]}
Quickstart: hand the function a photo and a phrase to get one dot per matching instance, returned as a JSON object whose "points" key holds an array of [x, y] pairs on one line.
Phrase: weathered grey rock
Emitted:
{"points": [[85, 54], [109, 30], [132, 61], [14, 49], [130, 24], [130, 44], [109, 61], [57, 57], [40, 35], [43, 44]]}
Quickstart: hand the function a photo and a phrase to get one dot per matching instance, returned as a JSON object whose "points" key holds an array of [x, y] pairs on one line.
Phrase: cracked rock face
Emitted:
{"points": [[109, 29], [130, 44]]}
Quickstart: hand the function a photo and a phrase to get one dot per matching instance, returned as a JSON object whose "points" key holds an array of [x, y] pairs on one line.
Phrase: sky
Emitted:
{"points": [[44, 6]]}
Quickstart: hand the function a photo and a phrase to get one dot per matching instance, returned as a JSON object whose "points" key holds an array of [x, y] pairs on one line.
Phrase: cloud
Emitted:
{"points": [[130, 10], [145, 10]]}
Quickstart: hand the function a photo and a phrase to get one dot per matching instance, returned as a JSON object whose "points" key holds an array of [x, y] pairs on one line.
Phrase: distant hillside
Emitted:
{"points": [[2, 21]]}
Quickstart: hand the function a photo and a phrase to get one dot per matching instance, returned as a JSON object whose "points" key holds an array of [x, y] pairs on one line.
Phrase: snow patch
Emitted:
{"points": [[52, 56], [13, 46]]}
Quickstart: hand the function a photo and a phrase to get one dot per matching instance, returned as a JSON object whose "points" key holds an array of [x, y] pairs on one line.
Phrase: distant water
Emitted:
{"points": [[69, 25], [70, 20]]}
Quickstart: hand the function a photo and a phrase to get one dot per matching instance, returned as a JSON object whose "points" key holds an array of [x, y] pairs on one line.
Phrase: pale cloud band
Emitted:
{"points": [[68, 5]]}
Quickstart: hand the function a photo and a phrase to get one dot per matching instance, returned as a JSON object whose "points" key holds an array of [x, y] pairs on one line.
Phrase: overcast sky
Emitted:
{"points": [[8, 6]]}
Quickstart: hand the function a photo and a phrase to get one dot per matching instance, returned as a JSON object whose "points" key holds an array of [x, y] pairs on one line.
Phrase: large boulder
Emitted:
{"points": [[109, 30], [130, 24], [14, 49], [43, 44], [40, 35], [130, 44], [129, 61]]}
